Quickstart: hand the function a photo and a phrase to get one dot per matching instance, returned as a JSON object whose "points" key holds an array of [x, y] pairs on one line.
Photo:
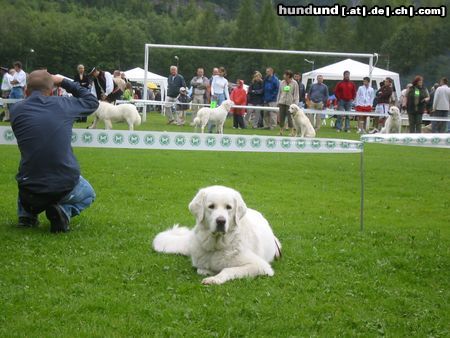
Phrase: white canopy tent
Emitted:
{"points": [[358, 71], [138, 74]]}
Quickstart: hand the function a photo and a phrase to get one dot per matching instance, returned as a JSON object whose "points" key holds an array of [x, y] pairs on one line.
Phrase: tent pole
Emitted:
{"points": [[144, 95]]}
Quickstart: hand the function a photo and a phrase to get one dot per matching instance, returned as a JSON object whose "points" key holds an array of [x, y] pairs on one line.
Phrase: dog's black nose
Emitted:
{"points": [[220, 224]]}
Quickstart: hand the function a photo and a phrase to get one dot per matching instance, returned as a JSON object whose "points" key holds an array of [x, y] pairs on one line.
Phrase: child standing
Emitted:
{"points": [[239, 97], [183, 100]]}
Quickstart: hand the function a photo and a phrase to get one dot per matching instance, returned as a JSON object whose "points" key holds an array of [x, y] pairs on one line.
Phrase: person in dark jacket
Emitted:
{"points": [[301, 89], [255, 97], [271, 87], [416, 100], [49, 175], [174, 82], [83, 79]]}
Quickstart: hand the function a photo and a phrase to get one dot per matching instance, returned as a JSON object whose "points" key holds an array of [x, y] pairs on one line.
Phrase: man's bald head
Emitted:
{"points": [[40, 80]]}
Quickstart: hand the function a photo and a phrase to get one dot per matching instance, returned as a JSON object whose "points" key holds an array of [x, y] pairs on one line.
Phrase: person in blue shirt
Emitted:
{"points": [[271, 86], [49, 175]]}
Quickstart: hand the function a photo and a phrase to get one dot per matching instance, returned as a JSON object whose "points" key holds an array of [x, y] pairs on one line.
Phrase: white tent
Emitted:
{"points": [[137, 75], [357, 70]]}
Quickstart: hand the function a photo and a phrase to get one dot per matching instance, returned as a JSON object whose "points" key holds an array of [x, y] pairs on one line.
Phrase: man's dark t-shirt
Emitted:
{"points": [[43, 129]]}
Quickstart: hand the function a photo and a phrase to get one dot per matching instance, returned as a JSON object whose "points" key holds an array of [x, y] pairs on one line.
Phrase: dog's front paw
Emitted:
{"points": [[211, 280]]}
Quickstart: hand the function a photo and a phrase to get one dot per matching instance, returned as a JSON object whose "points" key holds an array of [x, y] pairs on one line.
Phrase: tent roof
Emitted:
{"points": [[137, 74], [357, 69]]}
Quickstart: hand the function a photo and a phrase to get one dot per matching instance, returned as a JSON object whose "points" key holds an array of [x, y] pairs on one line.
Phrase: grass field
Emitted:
{"points": [[103, 280]]}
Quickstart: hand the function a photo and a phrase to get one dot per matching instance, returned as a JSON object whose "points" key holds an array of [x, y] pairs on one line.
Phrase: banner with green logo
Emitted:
{"points": [[421, 140], [193, 141]]}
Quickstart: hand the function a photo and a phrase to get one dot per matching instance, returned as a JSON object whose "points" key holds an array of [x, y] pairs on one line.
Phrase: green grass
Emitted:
{"points": [[103, 279]]}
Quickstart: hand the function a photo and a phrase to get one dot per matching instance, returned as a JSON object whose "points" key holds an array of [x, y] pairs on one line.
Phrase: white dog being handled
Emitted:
{"points": [[393, 123], [301, 122], [229, 240], [216, 116], [109, 113]]}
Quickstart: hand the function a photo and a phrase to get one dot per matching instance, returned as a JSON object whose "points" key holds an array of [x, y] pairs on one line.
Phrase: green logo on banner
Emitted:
{"points": [[87, 138], [286, 143], [180, 140], [360, 145], [9, 135], [133, 139], [210, 141], [240, 142], [164, 140], [149, 139], [118, 138], [102, 138], [393, 140], [378, 139], [421, 140], [74, 137], [330, 144], [300, 144], [315, 144], [448, 140], [225, 141], [255, 142], [345, 145], [271, 143], [435, 140], [195, 141], [407, 140]]}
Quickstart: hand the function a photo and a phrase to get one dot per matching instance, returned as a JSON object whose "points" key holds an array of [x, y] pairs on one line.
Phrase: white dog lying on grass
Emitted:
{"points": [[110, 113], [216, 116], [393, 123], [301, 122], [229, 240]]}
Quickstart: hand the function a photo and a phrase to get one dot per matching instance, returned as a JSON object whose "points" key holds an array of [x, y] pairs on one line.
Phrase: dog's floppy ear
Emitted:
{"points": [[241, 207], [197, 205]]}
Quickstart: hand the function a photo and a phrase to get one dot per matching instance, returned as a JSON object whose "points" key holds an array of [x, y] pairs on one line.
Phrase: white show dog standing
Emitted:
{"points": [[111, 113], [214, 115]]}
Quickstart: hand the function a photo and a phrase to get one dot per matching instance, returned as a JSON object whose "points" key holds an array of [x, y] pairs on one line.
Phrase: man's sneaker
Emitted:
{"points": [[28, 222], [57, 218]]}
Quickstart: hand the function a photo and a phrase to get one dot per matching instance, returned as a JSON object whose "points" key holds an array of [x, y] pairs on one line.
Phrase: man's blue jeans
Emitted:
{"points": [[346, 106], [16, 93], [80, 198]]}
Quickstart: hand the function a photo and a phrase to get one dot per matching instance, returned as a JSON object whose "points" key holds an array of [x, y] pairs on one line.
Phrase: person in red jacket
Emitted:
{"points": [[345, 94], [239, 97]]}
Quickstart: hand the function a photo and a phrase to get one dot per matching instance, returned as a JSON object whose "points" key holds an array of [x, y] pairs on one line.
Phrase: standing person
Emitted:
{"points": [[271, 88], [318, 96], [364, 100], [287, 95], [49, 175], [345, 92], [239, 97], [119, 86], [301, 90], [102, 83], [441, 106], [215, 71], [6, 89], [183, 100], [199, 84], [174, 83], [83, 79], [128, 93], [18, 82], [416, 101], [255, 97], [382, 98]]}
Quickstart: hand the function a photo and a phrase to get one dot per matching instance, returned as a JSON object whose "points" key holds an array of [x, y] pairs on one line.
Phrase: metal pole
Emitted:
{"points": [[361, 169], [144, 111]]}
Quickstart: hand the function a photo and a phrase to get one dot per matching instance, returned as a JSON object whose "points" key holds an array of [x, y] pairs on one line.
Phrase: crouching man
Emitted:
{"points": [[49, 175]]}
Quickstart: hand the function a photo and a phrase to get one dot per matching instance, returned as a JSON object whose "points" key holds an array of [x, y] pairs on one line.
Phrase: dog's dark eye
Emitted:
{"points": [[229, 207], [211, 206]]}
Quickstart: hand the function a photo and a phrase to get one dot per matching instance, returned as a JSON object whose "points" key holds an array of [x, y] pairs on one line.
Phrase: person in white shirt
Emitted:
{"points": [[18, 82], [363, 102], [102, 83], [6, 89], [441, 106]]}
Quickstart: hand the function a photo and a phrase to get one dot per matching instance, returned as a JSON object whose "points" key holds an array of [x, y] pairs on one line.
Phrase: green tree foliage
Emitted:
{"points": [[112, 33]]}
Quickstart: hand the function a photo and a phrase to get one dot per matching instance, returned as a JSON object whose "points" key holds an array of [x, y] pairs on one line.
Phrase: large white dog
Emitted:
{"points": [[393, 123], [229, 240], [301, 122], [214, 115], [109, 113]]}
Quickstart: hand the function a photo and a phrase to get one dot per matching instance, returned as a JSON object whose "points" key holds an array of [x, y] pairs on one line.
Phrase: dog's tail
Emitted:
{"points": [[175, 240], [138, 121]]}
